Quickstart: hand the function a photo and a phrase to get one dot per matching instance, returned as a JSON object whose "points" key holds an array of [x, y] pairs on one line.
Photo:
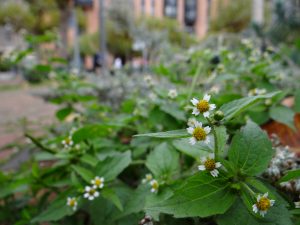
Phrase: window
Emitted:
{"points": [[170, 8], [190, 12]]}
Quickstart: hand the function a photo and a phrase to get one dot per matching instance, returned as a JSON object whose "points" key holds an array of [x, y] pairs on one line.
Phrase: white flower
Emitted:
{"points": [[67, 142], [263, 203], [198, 133], [172, 93], [98, 182], [192, 122], [90, 193], [152, 96], [147, 178], [257, 91], [297, 205], [154, 186], [149, 81], [72, 202], [202, 106], [209, 164]]}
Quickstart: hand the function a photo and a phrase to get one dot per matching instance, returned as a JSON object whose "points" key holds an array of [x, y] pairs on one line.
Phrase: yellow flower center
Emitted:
{"points": [[199, 134], [263, 204], [98, 182], [72, 202], [148, 177], [210, 164], [203, 106], [92, 191], [68, 141], [155, 185]]}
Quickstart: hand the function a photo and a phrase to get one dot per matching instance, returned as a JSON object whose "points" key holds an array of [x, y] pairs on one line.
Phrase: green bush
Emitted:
{"points": [[232, 18]]}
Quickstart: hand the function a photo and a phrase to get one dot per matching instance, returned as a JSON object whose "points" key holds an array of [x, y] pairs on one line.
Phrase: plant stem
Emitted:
{"points": [[215, 138], [195, 78], [138, 162], [249, 189]]}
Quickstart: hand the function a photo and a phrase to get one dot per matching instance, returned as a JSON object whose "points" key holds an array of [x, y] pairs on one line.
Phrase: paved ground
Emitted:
{"points": [[21, 109]]}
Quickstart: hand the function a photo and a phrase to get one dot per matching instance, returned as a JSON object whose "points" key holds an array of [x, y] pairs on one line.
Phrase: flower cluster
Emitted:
{"points": [[72, 202], [283, 160], [153, 183], [68, 142], [172, 93], [91, 191]]}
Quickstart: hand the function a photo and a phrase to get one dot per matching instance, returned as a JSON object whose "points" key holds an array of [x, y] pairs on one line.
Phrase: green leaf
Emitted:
{"points": [[84, 173], [168, 134], [196, 151], [251, 150], [238, 214], [92, 131], [163, 162], [111, 195], [232, 109], [202, 195], [89, 159], [174, 111], [63, 113], [222, 138], [283, 115], [56, 211], [290, 175], [111, 167], [297, 101]]}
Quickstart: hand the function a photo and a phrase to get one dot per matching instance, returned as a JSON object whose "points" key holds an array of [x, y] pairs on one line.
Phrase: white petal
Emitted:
{"points": [[211, 155], [102, 179], [63, 142], [153, 190], [212, 106], [86, 195], [87, 188], [207, 129], [201, 167], [262, 213], [214, 173], [258, 198], [194, 101], [206, 114], [71, 143], [207, 140], [254, 208], [218, 164], [266, 195], [192, 140], [96, 194], [92, 181], [198, 124], [195, 112], [272, 202], [102, 185], [203, 159], [91, 198], [190, 130], [206, 97]]}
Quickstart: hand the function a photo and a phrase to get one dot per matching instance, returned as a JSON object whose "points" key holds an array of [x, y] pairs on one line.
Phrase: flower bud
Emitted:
{"points": [[219, 115]]}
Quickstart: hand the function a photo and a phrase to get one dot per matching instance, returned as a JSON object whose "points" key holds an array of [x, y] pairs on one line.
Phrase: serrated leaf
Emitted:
{"points": [[163, 161], [290, 175], [283, 115], [84, 173], [233, 108], [168, 134], [111, 167], [202, 195], [251, 150]]}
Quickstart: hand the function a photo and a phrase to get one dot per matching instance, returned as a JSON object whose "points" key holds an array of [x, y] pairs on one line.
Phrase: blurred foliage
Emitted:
{"points": [[175, 35], [233, 17], [16, 14]]}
